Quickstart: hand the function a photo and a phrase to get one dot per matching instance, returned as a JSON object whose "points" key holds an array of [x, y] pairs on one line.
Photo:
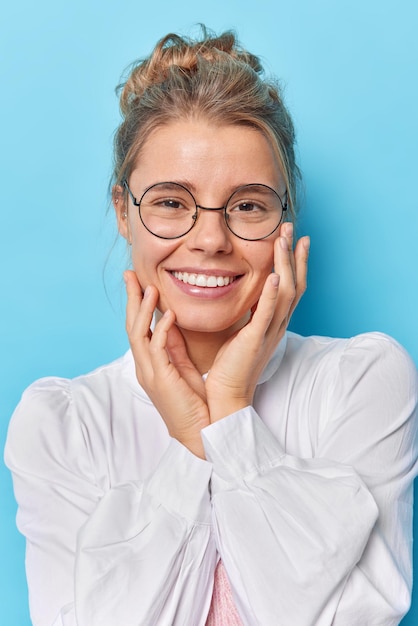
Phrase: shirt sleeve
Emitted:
{"points": [[139, 553], [327, 540]]}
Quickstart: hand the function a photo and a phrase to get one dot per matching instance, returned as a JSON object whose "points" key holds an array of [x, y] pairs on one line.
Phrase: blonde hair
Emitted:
{"points": [[212, 78]]}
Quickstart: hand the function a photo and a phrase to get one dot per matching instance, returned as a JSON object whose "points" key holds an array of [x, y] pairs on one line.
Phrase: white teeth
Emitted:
{"points": [[202, 280]]}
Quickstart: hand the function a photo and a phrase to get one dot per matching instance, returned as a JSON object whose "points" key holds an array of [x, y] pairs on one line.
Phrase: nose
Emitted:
{"points": [[210, 233]]}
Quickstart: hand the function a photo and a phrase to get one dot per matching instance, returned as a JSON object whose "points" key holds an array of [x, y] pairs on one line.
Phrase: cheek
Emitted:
{"points": [[148, 256], [144, 256], [262, 258]]}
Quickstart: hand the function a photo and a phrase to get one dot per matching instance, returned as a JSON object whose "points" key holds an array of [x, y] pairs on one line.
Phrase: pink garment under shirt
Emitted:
{"points": [[222, 610]]}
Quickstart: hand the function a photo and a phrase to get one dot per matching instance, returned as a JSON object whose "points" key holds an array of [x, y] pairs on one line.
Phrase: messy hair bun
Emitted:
{"points": [[183, 54], [211, 78]]}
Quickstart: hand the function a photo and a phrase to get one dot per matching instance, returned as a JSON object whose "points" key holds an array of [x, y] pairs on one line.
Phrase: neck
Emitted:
{"points": [[203, 347]]}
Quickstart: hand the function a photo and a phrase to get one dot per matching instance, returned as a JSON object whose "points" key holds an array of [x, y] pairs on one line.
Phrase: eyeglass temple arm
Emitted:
{"points": [[134, 200], [284, 201]]}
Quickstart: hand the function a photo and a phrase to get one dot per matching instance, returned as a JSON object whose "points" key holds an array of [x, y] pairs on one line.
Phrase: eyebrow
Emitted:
{"points": [[168, 184], [186, 183]]}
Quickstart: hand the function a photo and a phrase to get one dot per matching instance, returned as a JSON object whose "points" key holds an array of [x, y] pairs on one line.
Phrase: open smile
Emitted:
{"points": [[204, 280]]}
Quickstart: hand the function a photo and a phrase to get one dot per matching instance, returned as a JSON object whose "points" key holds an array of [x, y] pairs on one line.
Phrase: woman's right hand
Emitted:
{"points": [[163, 367]]}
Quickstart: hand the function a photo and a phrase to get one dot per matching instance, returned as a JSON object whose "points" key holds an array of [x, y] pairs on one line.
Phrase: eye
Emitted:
{"points": [[167, 201], [254, 203], [248, 206], [171, 204]]}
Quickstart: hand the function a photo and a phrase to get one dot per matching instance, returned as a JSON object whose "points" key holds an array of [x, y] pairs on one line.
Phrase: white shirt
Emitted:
{"points": [[306, 496]]}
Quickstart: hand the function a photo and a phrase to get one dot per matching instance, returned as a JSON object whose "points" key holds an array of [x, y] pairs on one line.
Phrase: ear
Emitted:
{"points": [[120, 205]]}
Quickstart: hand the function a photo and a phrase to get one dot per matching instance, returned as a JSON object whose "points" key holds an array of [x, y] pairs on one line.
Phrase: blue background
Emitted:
{"points": [[350, 71]]}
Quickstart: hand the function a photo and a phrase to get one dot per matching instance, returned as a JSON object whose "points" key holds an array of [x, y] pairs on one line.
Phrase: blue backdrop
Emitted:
{"points": [[349, 68]]}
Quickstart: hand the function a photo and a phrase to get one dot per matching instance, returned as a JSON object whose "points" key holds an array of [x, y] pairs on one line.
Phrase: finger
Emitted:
{"points": [[177, 348], [139, 308], [301, 263], [179, 357], [263, 313], [173, 372], [134, 298], [157, 348], [142, 325], [288, 233], [284, 267]]}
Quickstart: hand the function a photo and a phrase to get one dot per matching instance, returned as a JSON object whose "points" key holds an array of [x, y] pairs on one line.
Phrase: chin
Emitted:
{"points": [[207, 324]]}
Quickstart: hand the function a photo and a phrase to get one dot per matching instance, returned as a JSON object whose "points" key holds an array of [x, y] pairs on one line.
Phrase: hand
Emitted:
{"points": [[238, 365], [163, 367]]}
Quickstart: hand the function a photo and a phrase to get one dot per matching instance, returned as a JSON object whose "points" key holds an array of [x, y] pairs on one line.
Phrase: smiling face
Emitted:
{"points": [[210, 278]]}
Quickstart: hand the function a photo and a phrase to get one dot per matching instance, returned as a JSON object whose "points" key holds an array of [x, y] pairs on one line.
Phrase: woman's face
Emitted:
{"points": [[211, 161]]}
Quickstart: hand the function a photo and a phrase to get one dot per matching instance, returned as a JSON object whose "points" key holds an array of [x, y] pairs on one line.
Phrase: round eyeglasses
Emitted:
{"points": [[169, 210]]}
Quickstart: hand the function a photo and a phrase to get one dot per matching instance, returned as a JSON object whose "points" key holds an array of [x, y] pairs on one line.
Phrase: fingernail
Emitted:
{"points": [[275, 279], [307, 243], [289, 229], [283, 243], [147, 292], [125, 277]]}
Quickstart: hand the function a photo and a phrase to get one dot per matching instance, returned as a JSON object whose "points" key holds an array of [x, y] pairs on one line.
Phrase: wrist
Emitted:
{"points": [[224, 407], [192, 442]]}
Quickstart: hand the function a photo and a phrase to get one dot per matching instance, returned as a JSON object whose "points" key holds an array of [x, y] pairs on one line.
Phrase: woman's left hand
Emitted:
{"points": [[232, 379]]}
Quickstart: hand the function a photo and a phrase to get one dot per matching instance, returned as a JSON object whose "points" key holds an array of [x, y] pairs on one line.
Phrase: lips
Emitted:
{"points": [[203, 280]]}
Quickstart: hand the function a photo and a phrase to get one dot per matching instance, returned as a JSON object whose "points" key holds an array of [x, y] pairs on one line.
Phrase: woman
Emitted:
{"points": [[224, 471]]}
